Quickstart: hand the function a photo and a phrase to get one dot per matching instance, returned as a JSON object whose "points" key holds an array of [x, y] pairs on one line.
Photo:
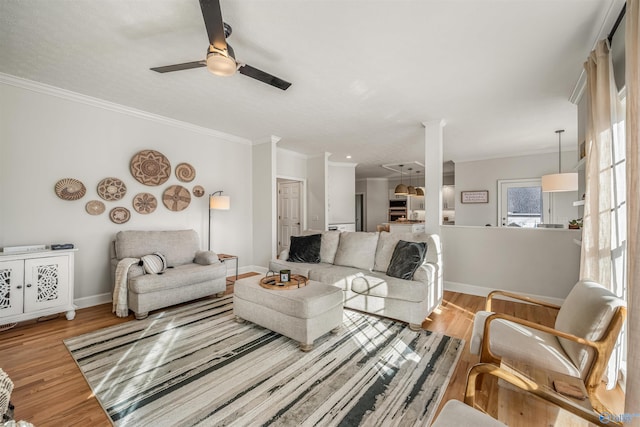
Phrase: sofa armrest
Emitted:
{"points": [[426, 274], [206, 258], [284, 255]]}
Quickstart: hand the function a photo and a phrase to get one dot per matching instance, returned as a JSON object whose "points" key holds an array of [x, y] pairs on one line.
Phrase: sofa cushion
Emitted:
{"points": [[357, 249], [305, 248], [302, 268], [178, 246], [380, 285], [586, 313], [180, 276], [335, 275], [206, 258], [329, 244], [406, 259], [387, 244]]}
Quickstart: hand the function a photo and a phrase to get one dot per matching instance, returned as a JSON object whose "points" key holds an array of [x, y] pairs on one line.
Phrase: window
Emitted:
{"points": [[522, 203]]}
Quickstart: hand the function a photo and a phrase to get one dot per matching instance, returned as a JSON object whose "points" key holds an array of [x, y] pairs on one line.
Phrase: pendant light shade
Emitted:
{"points": [[557, 182], [411, 189], [419, 190], [401, 189]]}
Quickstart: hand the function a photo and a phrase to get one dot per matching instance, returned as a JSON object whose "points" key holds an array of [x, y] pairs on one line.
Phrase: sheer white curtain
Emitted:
{"points": [[603, 255], [632, 79]]}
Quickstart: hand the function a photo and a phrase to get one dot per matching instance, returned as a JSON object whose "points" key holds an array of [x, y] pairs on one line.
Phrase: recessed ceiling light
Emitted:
{"points": [[348, 157]]}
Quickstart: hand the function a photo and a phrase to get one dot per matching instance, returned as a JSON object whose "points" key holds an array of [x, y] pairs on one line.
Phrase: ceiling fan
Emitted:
{"points": [[221, 59]]}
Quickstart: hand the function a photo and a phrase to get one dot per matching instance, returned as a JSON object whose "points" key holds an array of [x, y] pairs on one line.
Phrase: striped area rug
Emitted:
{"points": [[194, 365]]}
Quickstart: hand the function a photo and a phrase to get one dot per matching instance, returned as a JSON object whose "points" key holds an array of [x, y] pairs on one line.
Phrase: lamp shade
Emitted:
{"points": [[419, 191], [412, 190], [557, 182], [401, 190], [219, 202]]}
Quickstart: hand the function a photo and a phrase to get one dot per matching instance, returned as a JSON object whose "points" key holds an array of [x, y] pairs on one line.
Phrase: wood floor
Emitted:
{"points": [[51, 391]]}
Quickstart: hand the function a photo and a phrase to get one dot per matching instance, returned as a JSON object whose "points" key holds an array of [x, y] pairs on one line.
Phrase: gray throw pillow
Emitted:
{"points": [[305, 248], [406, 258]]}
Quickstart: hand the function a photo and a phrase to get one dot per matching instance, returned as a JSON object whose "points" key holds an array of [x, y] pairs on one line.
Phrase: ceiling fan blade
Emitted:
{"points": [[179, 67], [212, 15], [260, 75]]}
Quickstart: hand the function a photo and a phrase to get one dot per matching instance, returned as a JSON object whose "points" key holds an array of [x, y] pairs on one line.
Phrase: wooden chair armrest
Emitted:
{"points": [[487, 356], [529, 386], [518, 297]]}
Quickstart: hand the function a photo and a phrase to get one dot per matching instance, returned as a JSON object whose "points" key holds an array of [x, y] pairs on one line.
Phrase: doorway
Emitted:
{"points": [[521, 203], [359, 211], [290, 211]]}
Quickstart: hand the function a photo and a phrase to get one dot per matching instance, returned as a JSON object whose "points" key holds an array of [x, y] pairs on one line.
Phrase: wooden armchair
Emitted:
{"points": [[579, 345]]}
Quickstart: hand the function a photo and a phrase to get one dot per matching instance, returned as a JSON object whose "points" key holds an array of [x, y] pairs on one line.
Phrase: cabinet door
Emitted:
{"points": [[46, 283], [11, 287]]}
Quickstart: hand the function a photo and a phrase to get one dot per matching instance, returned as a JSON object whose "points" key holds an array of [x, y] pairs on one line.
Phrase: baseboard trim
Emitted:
{"points": [[482, 291], [85, 302], [253, 269]]}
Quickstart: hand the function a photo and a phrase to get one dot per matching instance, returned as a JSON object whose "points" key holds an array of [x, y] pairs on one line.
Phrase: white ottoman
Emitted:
{"points": [[302, 314]]}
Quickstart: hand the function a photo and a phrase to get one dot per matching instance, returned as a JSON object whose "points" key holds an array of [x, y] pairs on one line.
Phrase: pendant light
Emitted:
{"points": [[401, 189], [558, 182], [411, 189], [419, 190]]}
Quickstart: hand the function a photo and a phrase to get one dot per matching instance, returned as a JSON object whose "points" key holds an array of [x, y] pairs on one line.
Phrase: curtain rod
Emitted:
{"points": [[617, 24]]}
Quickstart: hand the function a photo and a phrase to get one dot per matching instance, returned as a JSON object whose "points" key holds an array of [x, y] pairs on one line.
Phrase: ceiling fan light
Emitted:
{"points": [[221, 64], [401, 190]]}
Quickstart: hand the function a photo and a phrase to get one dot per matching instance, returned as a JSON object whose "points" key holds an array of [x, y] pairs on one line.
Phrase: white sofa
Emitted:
{"points": [[193, 273], [357, 263]]}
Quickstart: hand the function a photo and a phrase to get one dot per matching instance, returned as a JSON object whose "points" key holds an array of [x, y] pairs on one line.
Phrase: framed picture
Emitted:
{"points": [[481, 196]]}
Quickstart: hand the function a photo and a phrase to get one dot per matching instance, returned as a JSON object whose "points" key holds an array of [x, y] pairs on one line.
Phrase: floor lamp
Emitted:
{"points": [[217, 202]]}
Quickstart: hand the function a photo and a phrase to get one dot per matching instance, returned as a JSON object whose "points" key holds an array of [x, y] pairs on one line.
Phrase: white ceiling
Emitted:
{"points": [[365, 73]]}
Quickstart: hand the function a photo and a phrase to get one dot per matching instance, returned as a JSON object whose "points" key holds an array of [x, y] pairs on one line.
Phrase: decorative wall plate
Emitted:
{"points": [[111, 189], [94, 207], [120, 215], [198, 191], [70, 189], [185, 172], [145, 203], [150, 167], [176, 198]]}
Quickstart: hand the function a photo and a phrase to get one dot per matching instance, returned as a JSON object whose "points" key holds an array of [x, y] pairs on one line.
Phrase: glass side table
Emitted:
{"points": [[226, 257]]}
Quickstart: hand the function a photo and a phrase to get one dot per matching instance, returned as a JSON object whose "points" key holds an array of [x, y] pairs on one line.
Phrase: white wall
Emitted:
{"points": [[290, 164], [341, 200], [377, 202], [542, 262], [47, 134], [484, 175], [317, 189], [265, 201]]}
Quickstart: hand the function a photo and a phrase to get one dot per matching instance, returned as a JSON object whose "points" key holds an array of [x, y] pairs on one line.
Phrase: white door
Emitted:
{"points": [[11, 288], [46, 283], [289, 212], [522, 203]]}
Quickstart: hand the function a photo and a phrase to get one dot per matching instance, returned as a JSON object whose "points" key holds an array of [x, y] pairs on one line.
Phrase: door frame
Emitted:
{"points": [[280, 179], [363, 212]]}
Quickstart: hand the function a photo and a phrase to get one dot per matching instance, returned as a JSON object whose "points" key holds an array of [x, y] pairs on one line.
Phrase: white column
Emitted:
{"points": [[433, 153], [264, 194]]}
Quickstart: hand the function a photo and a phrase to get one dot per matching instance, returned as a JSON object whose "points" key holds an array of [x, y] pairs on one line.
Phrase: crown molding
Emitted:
{"points": [[293, 153], [343, 164], [112, 106]]}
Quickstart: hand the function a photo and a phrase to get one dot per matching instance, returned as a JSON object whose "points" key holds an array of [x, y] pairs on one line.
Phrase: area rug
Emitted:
{"points": [[194, 365]]}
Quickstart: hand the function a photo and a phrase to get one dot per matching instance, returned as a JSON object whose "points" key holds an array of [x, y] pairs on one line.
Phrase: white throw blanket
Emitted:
{"points": [[120, 306]]}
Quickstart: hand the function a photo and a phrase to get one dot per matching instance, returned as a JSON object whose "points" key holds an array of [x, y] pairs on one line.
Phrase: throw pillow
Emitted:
{"points": [[406, 258], [305, 248], [154, 263]]}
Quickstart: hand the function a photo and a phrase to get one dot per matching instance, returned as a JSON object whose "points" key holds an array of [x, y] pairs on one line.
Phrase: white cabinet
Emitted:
{"points": [[392, 196], [416, 203], [36, 284], [405, 228], [448, 197]]}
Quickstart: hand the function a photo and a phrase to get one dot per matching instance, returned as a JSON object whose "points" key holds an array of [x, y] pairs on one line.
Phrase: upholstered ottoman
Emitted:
{"points": [[302, 314]]}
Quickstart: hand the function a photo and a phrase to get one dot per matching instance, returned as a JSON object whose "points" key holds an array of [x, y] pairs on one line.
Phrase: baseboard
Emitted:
{"points": [[482, 291], [85, 302], [253, 269]]}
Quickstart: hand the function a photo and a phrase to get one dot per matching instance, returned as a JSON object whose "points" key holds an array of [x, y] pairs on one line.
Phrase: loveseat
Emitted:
{"points": [[191, 274], [357, 263]]}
